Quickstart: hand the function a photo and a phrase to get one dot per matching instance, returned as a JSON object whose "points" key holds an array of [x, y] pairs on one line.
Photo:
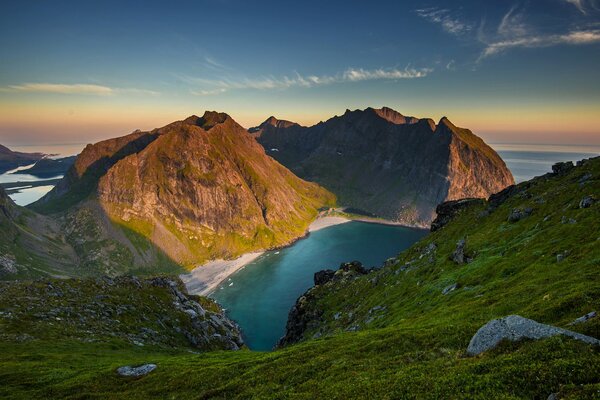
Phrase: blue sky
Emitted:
{"points": [[510, 70]]}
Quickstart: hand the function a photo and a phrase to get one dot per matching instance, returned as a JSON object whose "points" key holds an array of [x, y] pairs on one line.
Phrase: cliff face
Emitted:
{"points": [[387, 164], [195, 189]]}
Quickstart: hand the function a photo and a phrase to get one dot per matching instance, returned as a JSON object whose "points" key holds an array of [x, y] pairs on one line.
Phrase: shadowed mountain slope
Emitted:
{"points": [[387, 164]]}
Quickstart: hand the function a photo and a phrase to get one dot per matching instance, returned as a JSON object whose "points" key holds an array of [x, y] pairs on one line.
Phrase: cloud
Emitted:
{"points": [[512, 24], [571, 38], [444, 18], [78, 88], [584, 6], [218, 86], [208, 92]]}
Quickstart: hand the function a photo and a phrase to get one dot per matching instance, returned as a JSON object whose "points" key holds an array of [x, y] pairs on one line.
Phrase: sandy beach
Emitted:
{"points": [[205, 278]]}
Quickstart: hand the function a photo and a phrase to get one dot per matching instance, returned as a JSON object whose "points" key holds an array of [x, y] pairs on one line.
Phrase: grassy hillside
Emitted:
{"points": [[392, 333]]}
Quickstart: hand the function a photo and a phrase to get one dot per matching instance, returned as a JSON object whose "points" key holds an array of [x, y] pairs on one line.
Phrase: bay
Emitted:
{"points": [[260, 296]]}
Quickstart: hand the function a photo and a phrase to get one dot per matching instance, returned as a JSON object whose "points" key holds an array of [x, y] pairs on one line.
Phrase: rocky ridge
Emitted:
{"points": [[396, 167]]}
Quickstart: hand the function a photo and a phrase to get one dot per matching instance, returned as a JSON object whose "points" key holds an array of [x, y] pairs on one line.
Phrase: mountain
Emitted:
{"points": [[402, 330], [191, 191], [49, 167], [12, 159], [383, 163]]}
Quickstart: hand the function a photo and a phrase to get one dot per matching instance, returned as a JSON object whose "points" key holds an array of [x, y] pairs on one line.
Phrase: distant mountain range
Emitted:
{"points": [[12, 159], [384, 163]]}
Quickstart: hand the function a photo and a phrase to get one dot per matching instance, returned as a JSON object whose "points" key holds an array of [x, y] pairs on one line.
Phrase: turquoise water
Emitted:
{"points": [[260, 296]]}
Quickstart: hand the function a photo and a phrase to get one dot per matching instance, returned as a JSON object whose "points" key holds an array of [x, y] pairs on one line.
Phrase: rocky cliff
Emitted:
{"points": [[382, 162], [193, 190]]}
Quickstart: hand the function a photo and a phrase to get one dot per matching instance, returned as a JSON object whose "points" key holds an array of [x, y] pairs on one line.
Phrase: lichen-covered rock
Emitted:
{"points": [[587, 202], [136, 371], [515, 328]]}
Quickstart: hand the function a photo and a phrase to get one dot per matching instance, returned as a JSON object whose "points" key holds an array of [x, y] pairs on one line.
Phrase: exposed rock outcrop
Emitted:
{"points": [[136, 371], [447, 210], [154, 311], [384, 163], [515, 328], [304, 315]]}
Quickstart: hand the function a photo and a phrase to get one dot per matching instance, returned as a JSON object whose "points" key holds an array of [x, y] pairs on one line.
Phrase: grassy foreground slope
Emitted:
{"points": [[392, 333]]}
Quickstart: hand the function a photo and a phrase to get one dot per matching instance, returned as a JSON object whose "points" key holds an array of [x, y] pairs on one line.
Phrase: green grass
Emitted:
{"points": [[414, 348]]}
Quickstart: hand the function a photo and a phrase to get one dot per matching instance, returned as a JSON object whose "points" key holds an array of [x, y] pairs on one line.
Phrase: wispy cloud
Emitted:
{"points": [[573, 38], [513, 24], [584, 6], [444, 17], [218, 86], [78, 88]]}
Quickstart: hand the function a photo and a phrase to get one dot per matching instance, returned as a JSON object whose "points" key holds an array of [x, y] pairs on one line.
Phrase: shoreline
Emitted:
{"points": [[204, 279]]}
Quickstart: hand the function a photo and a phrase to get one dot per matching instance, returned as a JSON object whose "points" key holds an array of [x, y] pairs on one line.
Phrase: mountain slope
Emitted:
{"points": [[32, 245], [398, 332], [12, 159], [387, 164], [193, 190]]}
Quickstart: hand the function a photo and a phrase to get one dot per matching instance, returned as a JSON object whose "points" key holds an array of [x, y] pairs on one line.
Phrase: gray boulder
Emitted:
{"points": [[518, 214], [515, 328], [587, 202], [450, 288], [585, 318], [458, 256], [136, 371]]}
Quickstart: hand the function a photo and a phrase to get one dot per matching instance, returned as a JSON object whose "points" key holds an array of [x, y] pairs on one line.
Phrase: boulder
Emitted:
{"points": [[450, 288], [136, 371], [518, 214], [585, 318], [515, 328], [458, 256], [587, 202]]}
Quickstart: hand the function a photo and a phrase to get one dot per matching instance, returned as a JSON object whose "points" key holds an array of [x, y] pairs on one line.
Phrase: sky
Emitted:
{"points": [[512, 71]]}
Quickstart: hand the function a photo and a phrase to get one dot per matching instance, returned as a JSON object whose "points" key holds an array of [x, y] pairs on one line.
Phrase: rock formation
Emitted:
{"points": [[195, 189], [515, 328], [382, 162]]}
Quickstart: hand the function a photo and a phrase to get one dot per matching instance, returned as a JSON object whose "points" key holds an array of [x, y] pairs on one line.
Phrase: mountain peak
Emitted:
{"points": [[387, 114], [273, 122], [208, 120]]}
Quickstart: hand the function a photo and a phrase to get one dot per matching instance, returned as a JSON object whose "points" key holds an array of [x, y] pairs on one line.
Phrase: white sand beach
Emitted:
{"points": [[205, 278]]}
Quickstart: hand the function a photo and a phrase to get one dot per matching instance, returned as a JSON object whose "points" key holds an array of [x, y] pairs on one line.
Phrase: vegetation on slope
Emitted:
{"points": [[397, 332]]}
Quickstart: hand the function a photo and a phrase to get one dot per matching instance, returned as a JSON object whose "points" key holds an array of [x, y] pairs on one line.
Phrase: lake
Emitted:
{"points": [[260, 296]]}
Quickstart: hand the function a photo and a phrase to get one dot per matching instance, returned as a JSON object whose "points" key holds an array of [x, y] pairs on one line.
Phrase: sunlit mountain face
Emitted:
{"points": [[512, 71]]}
